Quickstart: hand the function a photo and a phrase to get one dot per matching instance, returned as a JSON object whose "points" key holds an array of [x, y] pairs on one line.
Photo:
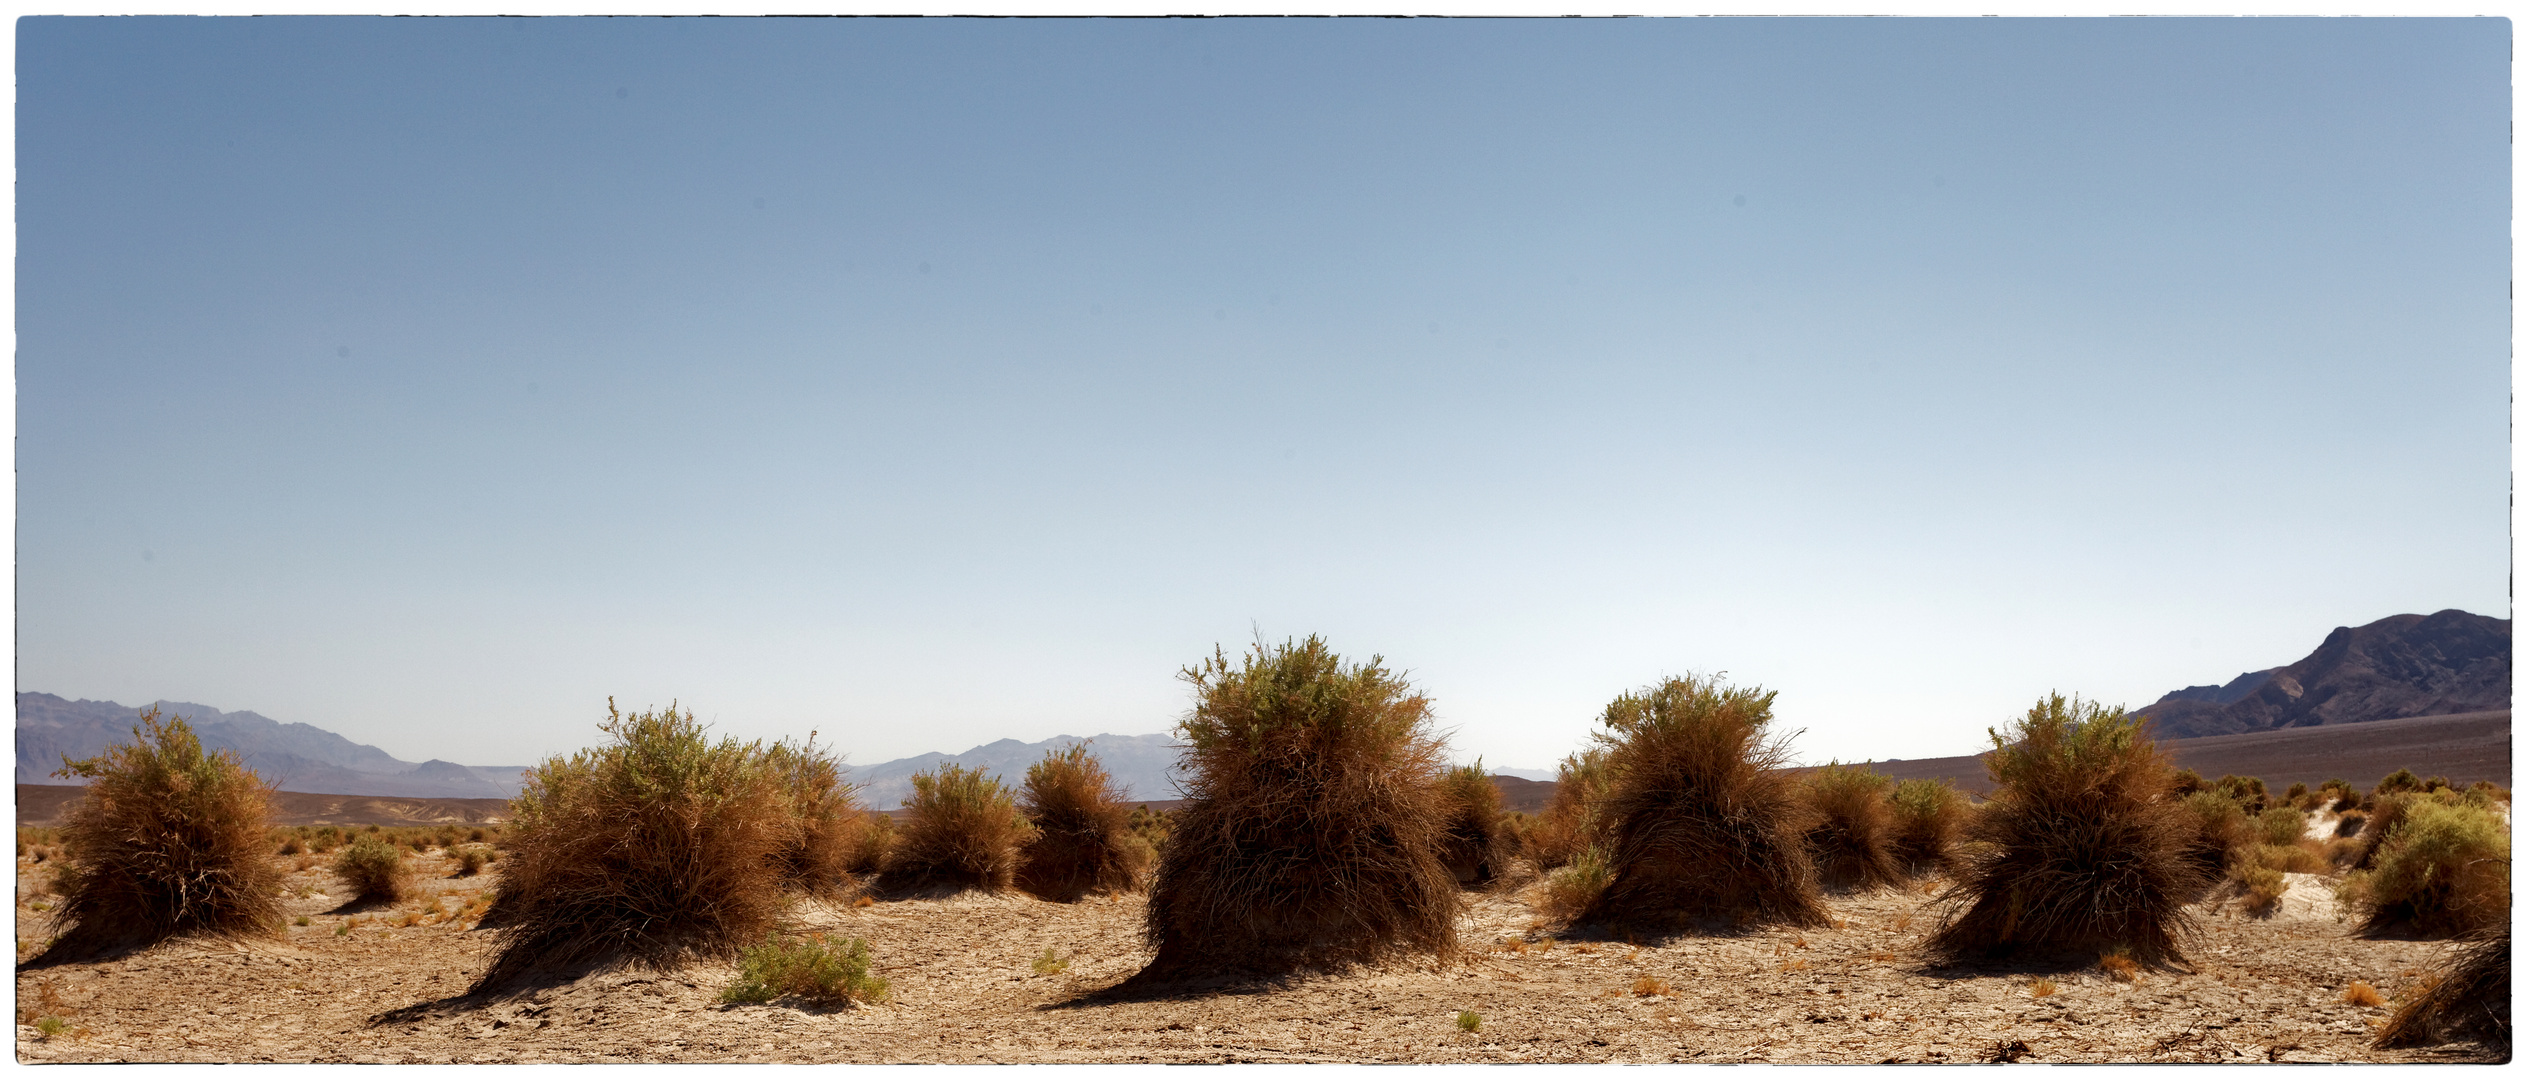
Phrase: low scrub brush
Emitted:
{"points": [[167, 839], [876, 841], [1083, 842], [813, 972], [2083, 847], [2467, 1001], [1701, 822], [2218, 836], [1477, 846], [656, 848], [2281, 826], [372, 871], [825, 820], [1929, 816], [1312, 827], [963, 831], [1571, 822], [1852, 837], [2443, 870], [1569, 891], [471, 860]]}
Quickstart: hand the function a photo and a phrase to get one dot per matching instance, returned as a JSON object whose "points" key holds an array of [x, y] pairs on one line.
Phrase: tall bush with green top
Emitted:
{"points": [[962, 831]]}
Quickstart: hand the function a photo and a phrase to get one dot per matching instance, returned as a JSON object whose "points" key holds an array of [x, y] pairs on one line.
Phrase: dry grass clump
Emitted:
{"points": [[963, 832], [373, 871], [1311, 833], [1571, 822], [2469, 1001], [1929, 816], [2443, 869], [1852, 837], [1700, 821], [656, 848], [1572, 889], [1477, 845], [876, 841], [2083, 850], [1084, 842], [166, 840], [825, 820], [2361, 995]]}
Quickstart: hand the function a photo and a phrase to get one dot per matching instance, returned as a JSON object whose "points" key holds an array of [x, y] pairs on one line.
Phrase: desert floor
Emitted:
{"points": [[2264, 989]]}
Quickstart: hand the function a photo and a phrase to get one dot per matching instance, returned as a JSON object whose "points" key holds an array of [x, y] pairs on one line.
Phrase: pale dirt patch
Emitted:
{"points": [[2265, 989]]}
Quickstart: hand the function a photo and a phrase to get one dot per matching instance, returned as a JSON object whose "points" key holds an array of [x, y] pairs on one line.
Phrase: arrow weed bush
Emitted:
{"points": [[1929, 815], [166, 840], [1852, 835], [1084, 842], [1311, 831], [963, 831], [373, 870], [813, 972], [1477, 848]]}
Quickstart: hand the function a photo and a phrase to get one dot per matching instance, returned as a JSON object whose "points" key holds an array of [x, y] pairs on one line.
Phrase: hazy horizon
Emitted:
{"points": [[929, 382]]}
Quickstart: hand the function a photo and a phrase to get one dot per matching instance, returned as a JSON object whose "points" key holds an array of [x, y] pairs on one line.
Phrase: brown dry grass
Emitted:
{"points": [[1084, 842], [1311, 833], [1476, 848], [2082, 847], [166, 840], [1571, 821], [1929, 817], [2469, 1000], [373, 871], [657, 848], [826, 823], [2362, 995], [1700, 820]]}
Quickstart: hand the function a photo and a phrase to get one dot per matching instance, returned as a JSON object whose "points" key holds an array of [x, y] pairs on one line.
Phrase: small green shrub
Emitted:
{"points": [[813, 971], [1576, 885], [1929, 816], [2444, 870], [51, 1026], [963, 831], [2398, 782], [373, 870], [1050, 964], [1469, 1021], [470, 861], [2281, 825]]}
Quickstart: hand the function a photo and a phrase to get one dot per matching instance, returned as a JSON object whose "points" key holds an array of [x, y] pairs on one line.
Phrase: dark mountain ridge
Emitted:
{"points": [[2403, 665]]}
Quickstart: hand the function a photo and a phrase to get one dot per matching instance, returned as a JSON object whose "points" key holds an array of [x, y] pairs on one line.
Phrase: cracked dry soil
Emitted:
{"points": [[2263, 989]]}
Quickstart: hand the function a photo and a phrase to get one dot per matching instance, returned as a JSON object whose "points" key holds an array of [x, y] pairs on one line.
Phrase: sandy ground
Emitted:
{"points": [[2265, 989]]}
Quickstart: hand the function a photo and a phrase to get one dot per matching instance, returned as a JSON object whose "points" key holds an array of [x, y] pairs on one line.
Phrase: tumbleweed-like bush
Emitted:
{"points": [[1700, 821], [1929, 816], [166, 840], [658, 848], [1477, 848], [1571, 822], [2083, 846], [1311, 830], [826, 822], [962, 831], [1852, 832], [2466, 1001], [2442, 869], [2219, 836], [373, 871], [1084, 842]]}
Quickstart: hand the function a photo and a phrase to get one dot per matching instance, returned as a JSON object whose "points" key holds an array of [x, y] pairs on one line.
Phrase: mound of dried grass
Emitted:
{"points": [[1084, 841], [826, 822], [1311, 832], [963, 831], [2082, 846], [2468, 1001], [166, 840], [1852, 835], [1477, 845], [1570, 822], [658, 848], [1929, 816], [373, 871], [1700, 822]]}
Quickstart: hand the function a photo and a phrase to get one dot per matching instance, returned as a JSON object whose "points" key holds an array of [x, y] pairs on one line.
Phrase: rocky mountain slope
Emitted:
{"points": [[296, 757], [2399, 666]]}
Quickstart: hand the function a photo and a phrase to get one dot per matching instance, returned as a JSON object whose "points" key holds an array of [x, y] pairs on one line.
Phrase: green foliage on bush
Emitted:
{"points": [[2442, 869], [814, 972], [373, 871]]}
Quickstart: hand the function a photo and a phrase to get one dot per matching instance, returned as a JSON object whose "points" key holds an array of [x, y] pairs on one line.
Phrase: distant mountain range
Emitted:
{"points": [[294, 757], [1143, 765], [2399, 666]]}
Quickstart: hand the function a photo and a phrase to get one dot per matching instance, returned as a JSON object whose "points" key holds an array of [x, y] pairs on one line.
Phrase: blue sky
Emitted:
{"points": [[927, 382]]}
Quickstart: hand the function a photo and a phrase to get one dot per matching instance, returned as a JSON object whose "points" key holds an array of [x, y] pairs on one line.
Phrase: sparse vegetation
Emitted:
{"points": [[1851, 837], [2281, 826], [1050, 963], [1700, 822], [964, 831], [1469, 1021], [1651, 986], [657, 847], [2362, 995], [166, 840], [2084, 847], [1084, 842], [2442, 869], [373, 871], [1570, 891], [1311, 833], [812, 971], [2041, 987], [471, 860]]}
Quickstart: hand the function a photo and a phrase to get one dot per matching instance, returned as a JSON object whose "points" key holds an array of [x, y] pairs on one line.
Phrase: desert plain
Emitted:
{"points": [[967, 986]]}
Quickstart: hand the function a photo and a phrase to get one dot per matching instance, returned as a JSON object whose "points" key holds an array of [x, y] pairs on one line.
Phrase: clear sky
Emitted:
{"points": [[932, 382]]}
